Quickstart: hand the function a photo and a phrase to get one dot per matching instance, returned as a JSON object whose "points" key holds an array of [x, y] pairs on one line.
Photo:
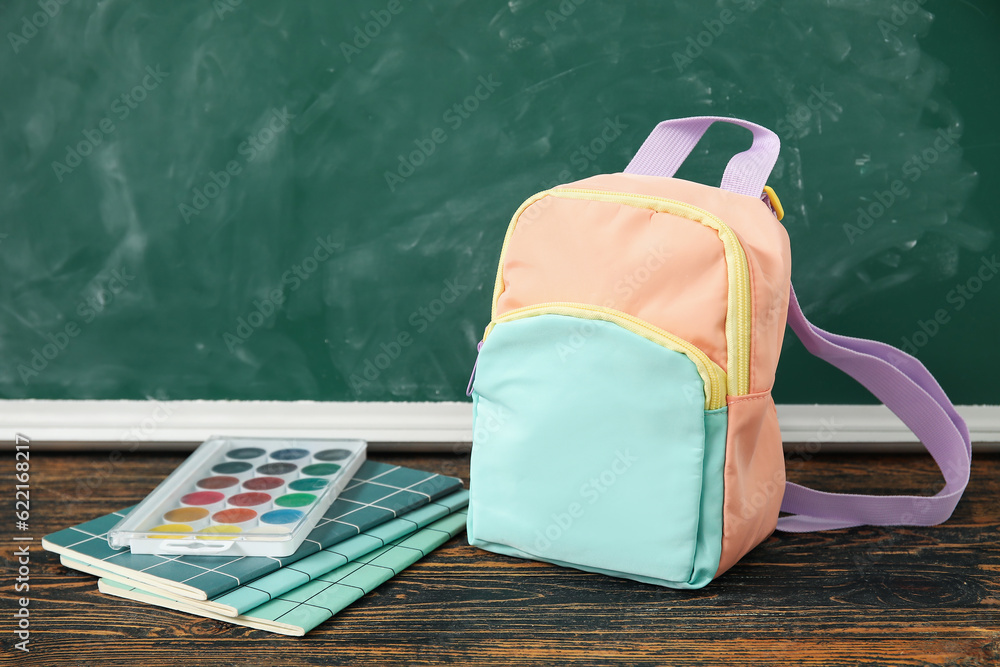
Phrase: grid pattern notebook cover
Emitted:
{"points": [[303, 608], [244, 598], [377, 493]]}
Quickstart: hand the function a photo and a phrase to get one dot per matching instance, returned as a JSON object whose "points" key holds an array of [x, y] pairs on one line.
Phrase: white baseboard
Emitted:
{"points": [[875, 428], [396, 426]]}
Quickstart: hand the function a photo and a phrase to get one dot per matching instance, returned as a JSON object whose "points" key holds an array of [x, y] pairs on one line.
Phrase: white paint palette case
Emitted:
{"points": [[241, 497]]}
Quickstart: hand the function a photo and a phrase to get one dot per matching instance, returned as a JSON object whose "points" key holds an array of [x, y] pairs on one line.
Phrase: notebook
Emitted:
{"points": [[298, 611], [247, 596], [377, 493]]}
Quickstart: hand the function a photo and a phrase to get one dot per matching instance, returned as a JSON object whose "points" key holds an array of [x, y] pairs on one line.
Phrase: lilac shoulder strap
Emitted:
{"points": [[910, 391], [894, 377]]}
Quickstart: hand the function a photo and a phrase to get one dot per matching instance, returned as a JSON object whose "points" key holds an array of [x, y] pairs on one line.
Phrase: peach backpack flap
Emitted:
{"points": [[623, 420]]}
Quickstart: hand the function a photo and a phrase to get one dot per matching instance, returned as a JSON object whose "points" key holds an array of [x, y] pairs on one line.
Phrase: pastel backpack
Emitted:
{"points": [[623, 420]]}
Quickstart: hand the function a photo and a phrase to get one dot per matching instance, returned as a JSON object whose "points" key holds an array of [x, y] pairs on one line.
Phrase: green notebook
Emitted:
{"points": [[377, 493], [301, 609], [247, 596]]}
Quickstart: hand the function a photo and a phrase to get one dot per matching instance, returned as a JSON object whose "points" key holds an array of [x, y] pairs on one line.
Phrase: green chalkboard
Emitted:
{"points": [[305, 200]]}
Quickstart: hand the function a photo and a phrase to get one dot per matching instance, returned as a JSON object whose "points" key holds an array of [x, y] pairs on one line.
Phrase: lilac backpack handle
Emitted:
{"points": [[670, 142], [911, 392]]}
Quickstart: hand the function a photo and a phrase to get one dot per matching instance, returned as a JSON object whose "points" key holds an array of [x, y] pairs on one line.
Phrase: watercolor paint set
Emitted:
{"points": [[241, 497]]}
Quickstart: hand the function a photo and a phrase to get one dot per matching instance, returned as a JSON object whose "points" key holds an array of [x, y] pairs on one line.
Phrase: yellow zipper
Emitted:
{"points": [[713, 376], [738, 314]]}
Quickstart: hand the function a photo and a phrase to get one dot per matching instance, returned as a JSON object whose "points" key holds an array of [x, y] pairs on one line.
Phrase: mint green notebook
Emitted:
{"points": [[301, 609]]}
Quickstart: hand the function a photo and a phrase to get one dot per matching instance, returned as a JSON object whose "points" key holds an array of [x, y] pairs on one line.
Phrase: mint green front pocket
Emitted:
{"points": [[593, 449]]}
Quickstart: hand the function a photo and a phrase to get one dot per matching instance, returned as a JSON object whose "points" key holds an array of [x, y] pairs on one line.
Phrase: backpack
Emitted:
{"points": [[623, 419]]}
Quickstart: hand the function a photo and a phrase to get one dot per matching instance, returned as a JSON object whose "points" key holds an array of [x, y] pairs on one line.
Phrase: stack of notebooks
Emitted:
{"points": [[386, 519]]}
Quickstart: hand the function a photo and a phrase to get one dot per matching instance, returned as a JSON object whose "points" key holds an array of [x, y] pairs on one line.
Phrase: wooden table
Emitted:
{"points": [[872, 596]]}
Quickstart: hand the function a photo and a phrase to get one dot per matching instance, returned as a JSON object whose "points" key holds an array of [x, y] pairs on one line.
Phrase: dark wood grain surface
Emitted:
{"points": [[866, 596]]}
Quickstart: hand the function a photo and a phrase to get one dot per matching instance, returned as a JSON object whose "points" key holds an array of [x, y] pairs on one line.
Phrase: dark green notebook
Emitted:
{"points": [[301, 609], [243, 598], [377, 493]]}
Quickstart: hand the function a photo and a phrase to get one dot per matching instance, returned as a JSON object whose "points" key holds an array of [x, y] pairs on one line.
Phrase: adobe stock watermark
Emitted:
{"points": [[580, 159], [624, 289], [958, 298], [365, 33], [454, 117], [420, 320], [223, 7], [121, 108], [590, 491], [870, 557], [30, 25], [563, 11], [291, 280], [698, 44], [901, 13], [913, 169], [796, 119], [99, 474], [588, 153], [490, 420], [923, 504], [765, 490], [22, 555], [804, 451], [248, 149], [104, 289], [581, 332]]}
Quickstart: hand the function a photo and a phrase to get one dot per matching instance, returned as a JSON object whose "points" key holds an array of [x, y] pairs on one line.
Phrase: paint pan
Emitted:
{"points": [[217, 483], [294, 500], [282, 520], [286, 471], [241, 517], [239, 469], [195, 517], [321, 470], [254, 500], [272, 485], [332, 455], [210, 500], [308, 484]]}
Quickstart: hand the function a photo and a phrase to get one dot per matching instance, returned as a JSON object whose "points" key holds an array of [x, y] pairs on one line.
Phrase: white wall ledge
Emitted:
{"points": [[396, 426]]}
